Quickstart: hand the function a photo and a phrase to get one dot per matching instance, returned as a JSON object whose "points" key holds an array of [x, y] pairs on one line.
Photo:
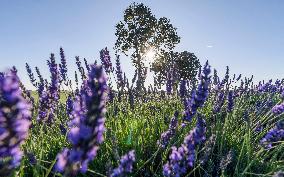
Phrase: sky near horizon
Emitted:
{"points": [[247, 36]]}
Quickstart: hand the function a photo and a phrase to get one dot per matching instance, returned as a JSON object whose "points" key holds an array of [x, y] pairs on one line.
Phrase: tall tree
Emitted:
{"points": [[139, 32]]}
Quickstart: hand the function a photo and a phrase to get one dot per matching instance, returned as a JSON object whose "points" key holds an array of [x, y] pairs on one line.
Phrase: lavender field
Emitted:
{"points": [[189, 120]]}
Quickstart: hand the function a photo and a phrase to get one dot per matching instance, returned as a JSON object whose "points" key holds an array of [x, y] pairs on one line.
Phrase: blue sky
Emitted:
{"points": [[248, 36]]}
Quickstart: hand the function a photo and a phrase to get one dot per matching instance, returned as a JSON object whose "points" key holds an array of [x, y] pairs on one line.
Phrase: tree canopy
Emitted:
{"points": [[140, 31]]}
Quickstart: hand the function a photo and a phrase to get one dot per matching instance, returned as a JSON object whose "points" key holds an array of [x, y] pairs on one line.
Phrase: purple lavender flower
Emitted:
{"points": [[76, 81], [80, 68], [54, 86], [169, 83], [31, 75], [105, 59], [230, 101], [15, 118], [63, 65], [44, 106], [41, 82], [14, 70], [69, 105], [87, 127], [87, 65], [239, 77], [131, 98], [183, 158], [1, 75], [216, 79], [182, 88], [31, 157], [199, 97], [118, 71], [278, 174], [274, 135], [219, 102], [167, 135], [278, 109], [125, 166], [48, 99]]}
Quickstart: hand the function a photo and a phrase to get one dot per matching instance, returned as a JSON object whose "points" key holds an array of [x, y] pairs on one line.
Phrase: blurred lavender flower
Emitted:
{"points": [[167, 135], [63, 65], [118, 71], [278, 109], [14, 70], [131, 98], [76, 82], [105, 59], [69, 105], [111, 95], [86, 133], [125, 166], [31, 157], [41, 85], [31, 99], [15, 118], [44, 107], [216, 79], [278, 174], [230, 101], [87, 65], [182, 88], [274, 135], [183, 158], [169, 83], [80, 68], [199, 97], [1, 75], [31, 75], [239, 77], [63, 130], [219, 102], [208, 148], [225, 161]]}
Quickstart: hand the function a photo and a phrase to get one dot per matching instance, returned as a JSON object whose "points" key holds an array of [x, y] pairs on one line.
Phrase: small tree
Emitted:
{"points": [[140, 31]]}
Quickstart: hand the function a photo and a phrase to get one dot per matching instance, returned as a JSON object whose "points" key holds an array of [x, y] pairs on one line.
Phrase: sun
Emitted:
{"points": [[149, 56]]}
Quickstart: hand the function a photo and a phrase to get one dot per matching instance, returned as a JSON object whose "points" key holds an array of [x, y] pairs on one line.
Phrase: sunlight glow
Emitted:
{"points": [[149, 56]]}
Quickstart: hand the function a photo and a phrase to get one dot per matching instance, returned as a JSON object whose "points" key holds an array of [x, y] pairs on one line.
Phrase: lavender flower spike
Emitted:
{"points": [[31, 75], [278, 109], [86, 133], [183, 158], [167, 135], [230, 101], [15, 121], [199, 97], [274, 135], [63, 65], [125, 166], [169, 83], [105, 59], [118, 71]]}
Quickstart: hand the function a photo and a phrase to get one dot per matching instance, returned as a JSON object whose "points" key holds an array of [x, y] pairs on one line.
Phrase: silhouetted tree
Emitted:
{"points": [[140, 31]]}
